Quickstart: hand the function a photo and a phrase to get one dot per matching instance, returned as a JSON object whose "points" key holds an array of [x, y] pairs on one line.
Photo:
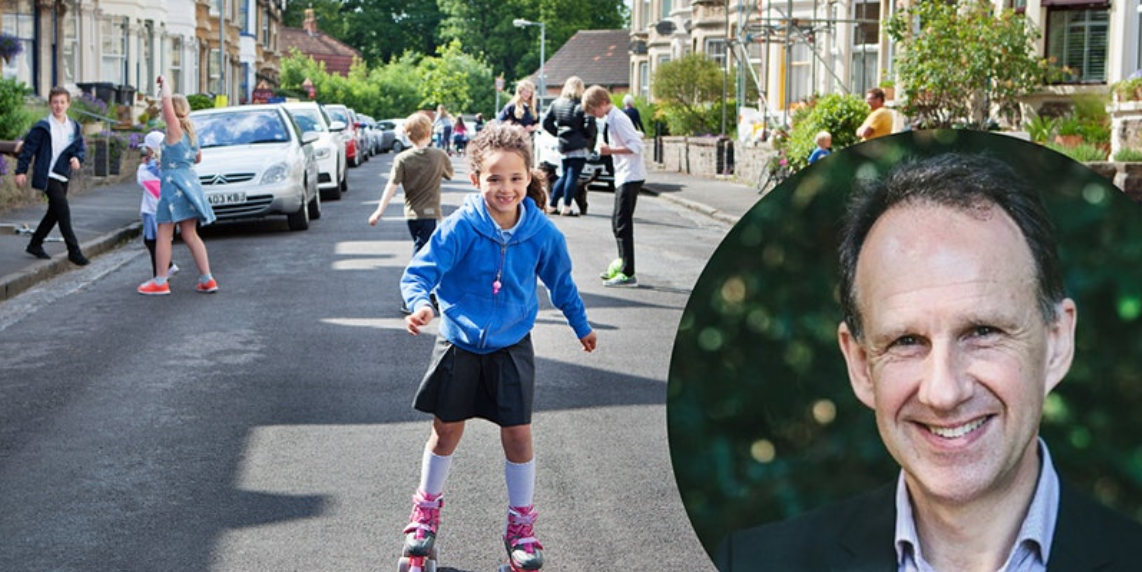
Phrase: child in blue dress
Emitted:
{"points": [[482, 263], [182, 200]]}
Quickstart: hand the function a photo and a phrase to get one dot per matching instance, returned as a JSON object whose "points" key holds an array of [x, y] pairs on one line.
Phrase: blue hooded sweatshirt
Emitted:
{"points": [[461, 262]]}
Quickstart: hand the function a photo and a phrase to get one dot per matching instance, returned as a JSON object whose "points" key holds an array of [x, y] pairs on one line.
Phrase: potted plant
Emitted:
{"points": [[1069, 131], [1041, 127], [889, 88], [10, 46]]}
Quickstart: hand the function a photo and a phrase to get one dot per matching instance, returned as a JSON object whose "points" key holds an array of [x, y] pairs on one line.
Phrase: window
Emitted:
{"points": [[243, 16], [716, 51], [70, 45], [1077, 41], [266, 28], [644, 79], [147, 55], [800, 71], [19, 21], [866, 46], [214, 71], [644, 16], [114, 56], [665, 9], [176, 66]]}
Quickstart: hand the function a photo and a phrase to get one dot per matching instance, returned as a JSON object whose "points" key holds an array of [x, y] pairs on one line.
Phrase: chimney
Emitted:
{"points": [[310, 24]]}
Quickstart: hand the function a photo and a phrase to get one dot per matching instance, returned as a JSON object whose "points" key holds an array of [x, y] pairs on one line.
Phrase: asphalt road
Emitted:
{"points": [[269, 427]]}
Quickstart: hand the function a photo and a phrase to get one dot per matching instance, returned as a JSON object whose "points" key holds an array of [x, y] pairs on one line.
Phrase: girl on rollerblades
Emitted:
{"points": [[482, 264]]}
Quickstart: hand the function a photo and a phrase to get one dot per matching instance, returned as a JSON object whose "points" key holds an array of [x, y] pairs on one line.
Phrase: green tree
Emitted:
{"points": [[454, 79], [384, 29], [485, 28], [685, 89], [401, 80], [958, 59]]}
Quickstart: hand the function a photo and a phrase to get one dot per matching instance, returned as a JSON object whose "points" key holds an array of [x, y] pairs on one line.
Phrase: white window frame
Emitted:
{"points": [[113, 56], [1087, 29]]}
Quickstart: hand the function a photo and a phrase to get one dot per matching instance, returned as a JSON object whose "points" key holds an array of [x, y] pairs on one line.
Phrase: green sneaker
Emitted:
{"points": [[621, 280], [615, 268]]}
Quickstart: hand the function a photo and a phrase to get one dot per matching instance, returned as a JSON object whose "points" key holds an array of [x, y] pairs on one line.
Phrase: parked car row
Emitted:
{"points": [[283, 158]]}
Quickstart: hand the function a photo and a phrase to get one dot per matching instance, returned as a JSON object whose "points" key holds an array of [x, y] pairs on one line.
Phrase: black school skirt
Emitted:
{"points": [[498, 386]]}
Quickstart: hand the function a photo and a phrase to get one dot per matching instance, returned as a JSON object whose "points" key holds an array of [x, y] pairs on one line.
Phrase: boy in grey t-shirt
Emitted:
{"points": [[420, 171]]}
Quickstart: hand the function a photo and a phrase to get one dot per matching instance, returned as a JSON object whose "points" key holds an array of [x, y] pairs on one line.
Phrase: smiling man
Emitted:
{"points": [[955, 328]]}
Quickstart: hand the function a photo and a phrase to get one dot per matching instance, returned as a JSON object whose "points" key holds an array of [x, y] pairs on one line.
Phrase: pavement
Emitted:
{"points": [[106, 216]]}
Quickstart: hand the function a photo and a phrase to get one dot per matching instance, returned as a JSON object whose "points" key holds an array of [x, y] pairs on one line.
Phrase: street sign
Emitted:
{"points": [[500, 83]]}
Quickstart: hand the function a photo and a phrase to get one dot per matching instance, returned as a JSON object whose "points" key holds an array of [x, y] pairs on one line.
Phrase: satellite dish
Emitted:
{"points": [[664, 27], [637, 48]]}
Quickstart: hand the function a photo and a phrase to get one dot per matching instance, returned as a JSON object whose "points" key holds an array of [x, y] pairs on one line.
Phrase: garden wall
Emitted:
{"points": [[699, 156]]}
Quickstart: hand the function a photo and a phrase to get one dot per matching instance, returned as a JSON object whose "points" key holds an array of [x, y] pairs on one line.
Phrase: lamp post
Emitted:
{"points": [[521, 23]]}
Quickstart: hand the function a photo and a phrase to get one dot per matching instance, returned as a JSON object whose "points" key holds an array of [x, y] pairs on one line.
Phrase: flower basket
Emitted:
{"points": [[10, 47]]}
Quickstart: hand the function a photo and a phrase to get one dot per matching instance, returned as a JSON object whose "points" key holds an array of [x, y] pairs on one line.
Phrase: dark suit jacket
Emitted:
{"points": [[857, 536]]}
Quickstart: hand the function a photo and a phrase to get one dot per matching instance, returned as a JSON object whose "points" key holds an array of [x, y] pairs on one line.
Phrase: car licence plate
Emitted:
{"points": [[217, 199]]}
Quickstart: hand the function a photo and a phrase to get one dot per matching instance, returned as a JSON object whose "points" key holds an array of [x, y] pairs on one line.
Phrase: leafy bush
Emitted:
{"points": [[200, 101], [1083, 152], [1094, 121], [15, 118], [838, 114], [1128, 155]]}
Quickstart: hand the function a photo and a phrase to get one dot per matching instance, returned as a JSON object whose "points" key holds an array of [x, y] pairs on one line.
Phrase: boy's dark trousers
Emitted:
{"points": [[622, 222], [58, 212]]}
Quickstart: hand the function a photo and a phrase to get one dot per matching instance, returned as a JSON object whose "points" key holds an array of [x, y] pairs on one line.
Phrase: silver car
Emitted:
{"points": [[332, 166], [257, 162]]}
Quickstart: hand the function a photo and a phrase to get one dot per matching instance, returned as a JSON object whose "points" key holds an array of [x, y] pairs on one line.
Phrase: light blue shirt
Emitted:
{"points": [[1032, 548]]}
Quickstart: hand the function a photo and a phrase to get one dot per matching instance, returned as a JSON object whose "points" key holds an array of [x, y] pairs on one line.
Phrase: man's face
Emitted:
{"points": [[956, 359], [873, 101], [59, 105], [600, 111]]}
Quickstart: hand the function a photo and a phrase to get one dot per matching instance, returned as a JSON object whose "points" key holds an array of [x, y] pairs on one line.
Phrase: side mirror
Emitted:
{"points": [[309, 137], [337, 125]]}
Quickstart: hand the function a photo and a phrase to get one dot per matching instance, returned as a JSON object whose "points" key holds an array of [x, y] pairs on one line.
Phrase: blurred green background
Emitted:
{"points": [[762, 421]]}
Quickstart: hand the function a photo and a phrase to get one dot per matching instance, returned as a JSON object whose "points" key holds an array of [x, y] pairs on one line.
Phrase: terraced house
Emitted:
{"points": [[794, 48], [117, 48]]}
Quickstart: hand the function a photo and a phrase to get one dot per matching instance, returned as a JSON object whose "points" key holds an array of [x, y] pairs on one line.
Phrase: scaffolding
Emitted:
{"points": [[773, 24]]}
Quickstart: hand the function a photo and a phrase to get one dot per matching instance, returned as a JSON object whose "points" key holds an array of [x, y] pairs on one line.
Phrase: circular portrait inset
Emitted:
{"points": [[923, 350]]}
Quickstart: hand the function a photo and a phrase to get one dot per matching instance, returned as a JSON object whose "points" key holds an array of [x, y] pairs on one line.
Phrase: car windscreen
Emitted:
{"points": [[247, 127], [338, 114], [308, 119]]}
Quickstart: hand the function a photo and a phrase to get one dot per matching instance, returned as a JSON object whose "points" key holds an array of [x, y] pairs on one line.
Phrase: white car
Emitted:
{"points": [[257, 162], [400, 138], [332, 166]]}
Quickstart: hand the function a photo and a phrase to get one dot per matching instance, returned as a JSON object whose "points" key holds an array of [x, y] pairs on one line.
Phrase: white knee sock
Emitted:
{"points": [[520, 478], [433, 472]]}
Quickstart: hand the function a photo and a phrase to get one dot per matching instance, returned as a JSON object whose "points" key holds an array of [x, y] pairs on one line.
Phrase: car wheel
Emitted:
{"points": [[300, 219], [315, 207], [398, 146], [344, 187], [333, 194]]}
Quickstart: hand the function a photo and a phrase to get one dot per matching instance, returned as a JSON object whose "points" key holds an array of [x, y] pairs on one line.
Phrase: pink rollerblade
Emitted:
{"points": [[420, 534], [525, 553]]}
